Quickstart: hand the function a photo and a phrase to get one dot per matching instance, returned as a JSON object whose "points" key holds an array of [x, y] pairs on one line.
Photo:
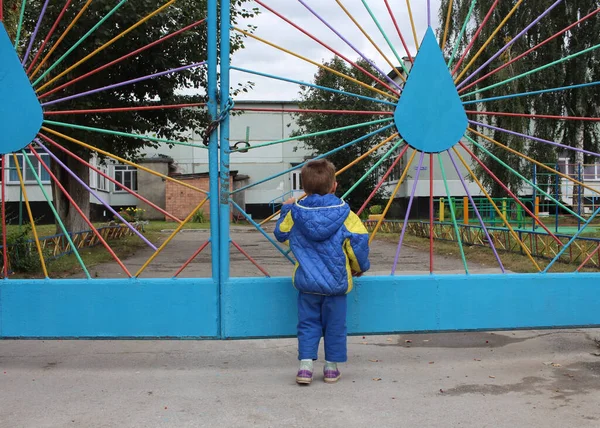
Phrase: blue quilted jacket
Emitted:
{"points": [[329, 242]]}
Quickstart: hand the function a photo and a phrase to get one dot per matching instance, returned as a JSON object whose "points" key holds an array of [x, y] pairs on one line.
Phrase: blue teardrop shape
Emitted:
{"points": [[20, 111], [430, 115]]}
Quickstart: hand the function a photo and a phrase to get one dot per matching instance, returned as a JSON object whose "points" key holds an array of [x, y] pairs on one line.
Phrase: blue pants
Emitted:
{"points": [[322, 316]]}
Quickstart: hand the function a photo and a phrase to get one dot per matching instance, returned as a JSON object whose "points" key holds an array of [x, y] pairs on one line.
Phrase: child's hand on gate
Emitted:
{"points": [[357, 274], [290, 201]]}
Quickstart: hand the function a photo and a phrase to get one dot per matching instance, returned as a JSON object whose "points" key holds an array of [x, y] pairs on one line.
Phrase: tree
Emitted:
{"points": [[578, 102], [184, 49], [314, 98]]}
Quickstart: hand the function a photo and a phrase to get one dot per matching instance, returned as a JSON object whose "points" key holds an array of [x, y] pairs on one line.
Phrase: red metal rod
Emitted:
{"points": [[50, 33], [503, 66], [389, 171], [299, 110], [137, 51], [4, 246], [485, 20], [198, 251], [588, 258], [241, 250], [358, 67], [431, 213], [1, 18], [89, 223], [109, 178], [398, 30], [123, 109], [512, 195], [534, 116]]}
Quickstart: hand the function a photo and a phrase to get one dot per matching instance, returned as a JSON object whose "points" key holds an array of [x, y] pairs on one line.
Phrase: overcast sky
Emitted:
{"points": [[260, 57]]}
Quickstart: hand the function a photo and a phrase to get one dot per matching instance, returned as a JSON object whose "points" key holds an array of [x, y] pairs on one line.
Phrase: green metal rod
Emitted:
{"points": [[462, 33], [373, 168], [314, 134], [122, 134], [383, 33], [452, 213], [524, 179], [20, 25], [60, 223], [94, 28], [535, 70]]}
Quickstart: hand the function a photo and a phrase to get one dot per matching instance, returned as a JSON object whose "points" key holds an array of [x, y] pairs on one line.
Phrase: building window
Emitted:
{"points": [[127, 176], [395, 174], [26, 171], [296, 178]]}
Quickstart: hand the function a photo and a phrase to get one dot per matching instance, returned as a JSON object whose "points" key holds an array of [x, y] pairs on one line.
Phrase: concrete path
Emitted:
{"points": [[546, 379]]}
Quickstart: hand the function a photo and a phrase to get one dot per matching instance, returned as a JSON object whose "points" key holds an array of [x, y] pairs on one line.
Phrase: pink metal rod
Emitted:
{"points": [[198, 251], [254, 262]]}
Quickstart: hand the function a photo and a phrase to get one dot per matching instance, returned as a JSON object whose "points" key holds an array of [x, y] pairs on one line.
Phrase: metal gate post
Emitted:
{"points": [[224, 190]]}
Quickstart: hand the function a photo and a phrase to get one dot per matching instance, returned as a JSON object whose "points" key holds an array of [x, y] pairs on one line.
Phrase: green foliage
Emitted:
{"points": [[376, 209], [312, 98], [22, 253], [131, 214], [199, 217], [579, 102]]}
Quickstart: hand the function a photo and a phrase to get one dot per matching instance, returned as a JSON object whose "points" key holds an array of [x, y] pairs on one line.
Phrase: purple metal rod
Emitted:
{"points": [[539, 140], [128, 82], [509, 44], [429, 13], [462, 180], [37, 27], [410, 201], [91, 191], [388, 78]]}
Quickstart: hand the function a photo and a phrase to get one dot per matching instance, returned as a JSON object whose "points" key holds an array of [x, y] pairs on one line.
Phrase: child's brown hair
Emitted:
{"points": [[318, 177]]}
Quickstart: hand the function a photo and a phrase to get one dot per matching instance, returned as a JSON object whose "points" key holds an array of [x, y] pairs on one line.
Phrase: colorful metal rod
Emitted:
{"points": [[345, 40], [127, 82], [191, 259], [412, 24], [587, 259], [526, 94], [393, 17], [3, 202], [60, 39], [476, 35], [546, 167], [122, 134], [539, 140], [382, 180], [125, 109], [107, 44], [322, 156], [30, 214], [50, 33], [488, 41], [453, 215], [410, 202], [568, 244], [301, 110], [250, 259], [476, 210], [394, 193], [79, 42], [335, 52], [315, 63], [533, 116], [447, 25], [512, 41], [431, 213], [524, 54], [122, 160], [95, 195], [361, 29], [500, 214], [20, 24], [109, 178], [35, 31], [314, 134], [535, 70], [324, 88], [76, 207], [120, 59], [511, 194], [260, 229], [461, 35], [171, 236]]}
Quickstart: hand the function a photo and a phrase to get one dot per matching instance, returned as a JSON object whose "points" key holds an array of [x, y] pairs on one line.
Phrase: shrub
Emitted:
{"points": [[376, 209]]}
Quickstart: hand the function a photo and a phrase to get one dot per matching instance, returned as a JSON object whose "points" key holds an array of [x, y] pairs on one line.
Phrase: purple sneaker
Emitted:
{"points": [[331, 374], [304, 376]]}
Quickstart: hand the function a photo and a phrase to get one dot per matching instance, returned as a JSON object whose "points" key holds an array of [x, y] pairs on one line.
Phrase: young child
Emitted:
{"points": [[331, 245]]}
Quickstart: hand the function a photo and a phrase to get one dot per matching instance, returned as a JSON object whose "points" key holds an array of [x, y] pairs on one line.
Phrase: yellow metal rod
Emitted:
{"points": [[412, 24], [448, 15]]}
